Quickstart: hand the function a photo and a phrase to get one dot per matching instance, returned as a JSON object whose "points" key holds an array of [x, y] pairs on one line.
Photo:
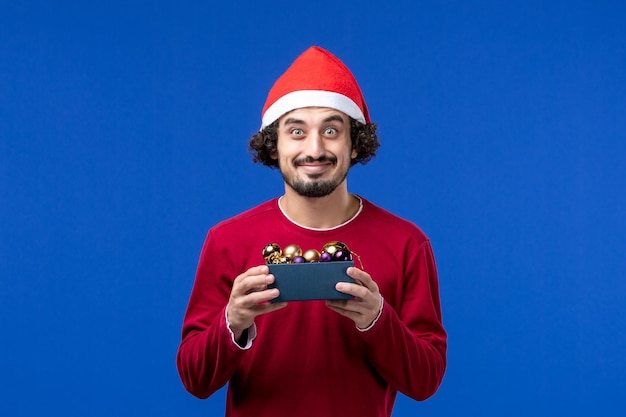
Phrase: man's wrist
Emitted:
{"points": [[242, 338], [380, 312]]}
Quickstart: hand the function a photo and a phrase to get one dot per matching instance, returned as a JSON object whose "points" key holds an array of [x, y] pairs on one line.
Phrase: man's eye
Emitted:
{"points": [[330, 131], [297, 132]]}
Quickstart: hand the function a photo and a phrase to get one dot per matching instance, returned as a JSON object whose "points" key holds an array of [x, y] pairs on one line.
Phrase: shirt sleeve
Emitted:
{"points": [[208, 354], [407, 344]]}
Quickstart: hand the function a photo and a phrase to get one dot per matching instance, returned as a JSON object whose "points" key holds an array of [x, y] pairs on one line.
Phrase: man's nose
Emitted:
{"points": [[314, 146]]}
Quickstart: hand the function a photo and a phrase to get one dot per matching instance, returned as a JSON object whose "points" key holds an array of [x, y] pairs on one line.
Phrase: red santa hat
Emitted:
{"points": [[316, 78]]}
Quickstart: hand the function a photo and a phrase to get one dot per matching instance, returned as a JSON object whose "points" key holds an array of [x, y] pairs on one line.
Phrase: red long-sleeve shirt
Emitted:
{"points": [[307, 360]]}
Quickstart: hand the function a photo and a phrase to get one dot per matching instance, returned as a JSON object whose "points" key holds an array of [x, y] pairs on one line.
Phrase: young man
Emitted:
{"points": [[315, 358]]}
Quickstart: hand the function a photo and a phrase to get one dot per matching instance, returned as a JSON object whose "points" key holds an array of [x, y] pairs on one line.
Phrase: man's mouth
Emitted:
{"points": [[314, 166], [323, 161]]}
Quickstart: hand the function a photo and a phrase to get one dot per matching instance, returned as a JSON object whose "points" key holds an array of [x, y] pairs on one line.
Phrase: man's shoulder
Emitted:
{"points": [[255, 215], [386, 220]]}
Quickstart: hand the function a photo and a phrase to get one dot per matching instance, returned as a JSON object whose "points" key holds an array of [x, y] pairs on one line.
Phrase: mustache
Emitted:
{"points": [[310, 160]]}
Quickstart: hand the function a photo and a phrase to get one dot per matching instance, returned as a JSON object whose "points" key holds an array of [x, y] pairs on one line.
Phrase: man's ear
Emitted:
{"points": [[274, 155]]}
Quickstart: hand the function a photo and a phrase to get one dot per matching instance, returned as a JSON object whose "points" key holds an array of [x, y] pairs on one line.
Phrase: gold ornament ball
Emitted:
{"points": [[270, 249], [334, 246], [291, 251], [311, 255], [274, 258]]}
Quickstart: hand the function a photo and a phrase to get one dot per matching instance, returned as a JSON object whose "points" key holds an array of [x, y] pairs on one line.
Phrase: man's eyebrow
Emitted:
{"points": [[334, 118], [292, 121]]}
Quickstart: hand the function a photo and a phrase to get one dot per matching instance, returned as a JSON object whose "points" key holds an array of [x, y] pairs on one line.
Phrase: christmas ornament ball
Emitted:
{"points": [[334, 246], [326, 257], [274, 258], [311, 255], [270, 249], [342, 255], [291, 251]]}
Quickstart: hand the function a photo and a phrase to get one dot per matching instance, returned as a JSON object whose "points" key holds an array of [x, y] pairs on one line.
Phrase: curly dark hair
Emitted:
{"points": [[364, 140]]}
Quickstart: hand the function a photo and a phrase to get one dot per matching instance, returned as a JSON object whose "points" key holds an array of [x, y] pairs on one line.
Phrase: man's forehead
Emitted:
{"points": [[300, 115]]}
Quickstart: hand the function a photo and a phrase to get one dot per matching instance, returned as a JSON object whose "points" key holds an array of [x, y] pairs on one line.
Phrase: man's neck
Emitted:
{"points": [[320, 212]]}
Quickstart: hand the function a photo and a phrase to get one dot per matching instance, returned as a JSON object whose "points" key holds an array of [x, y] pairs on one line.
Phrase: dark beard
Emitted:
{"points": [[314, 188]]}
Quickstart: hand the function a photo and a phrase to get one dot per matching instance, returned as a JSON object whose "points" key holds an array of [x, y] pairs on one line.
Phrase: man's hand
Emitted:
{"points": [[249, 297], [365, 306]]}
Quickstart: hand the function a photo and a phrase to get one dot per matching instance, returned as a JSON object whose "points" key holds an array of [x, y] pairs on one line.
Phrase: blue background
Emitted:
{"points": [[123, 137]]}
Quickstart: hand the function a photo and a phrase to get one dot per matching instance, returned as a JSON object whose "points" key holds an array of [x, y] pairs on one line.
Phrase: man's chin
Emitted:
{"points": [[315, 189]]}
